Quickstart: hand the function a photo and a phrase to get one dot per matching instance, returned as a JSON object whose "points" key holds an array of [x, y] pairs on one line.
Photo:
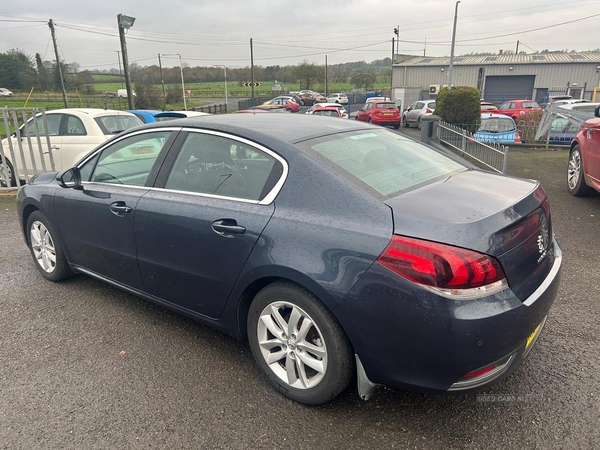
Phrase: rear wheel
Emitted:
{"points": [[290, 110], [45, 250], [396, 126], [298, 344], [575, 174], [10, 174]]}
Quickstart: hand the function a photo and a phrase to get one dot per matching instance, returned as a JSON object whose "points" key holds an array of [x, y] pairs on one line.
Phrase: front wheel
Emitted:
{"points": [[405, 123], [575, 174], [419, 125], [298, 344], [45, 250], [8, 179]]}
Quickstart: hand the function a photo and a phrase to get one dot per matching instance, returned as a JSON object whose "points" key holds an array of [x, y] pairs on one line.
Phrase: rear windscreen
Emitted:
{"points": [[386, 106], [383, 162], [497, 125], [118, 123], [530, 105]]}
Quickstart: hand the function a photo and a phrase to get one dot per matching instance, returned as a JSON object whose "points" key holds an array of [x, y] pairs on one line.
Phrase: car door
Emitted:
{"points": [[29, 145], [413, 112], [362, 113], [96, 222], [197, 227], [593, 149]]}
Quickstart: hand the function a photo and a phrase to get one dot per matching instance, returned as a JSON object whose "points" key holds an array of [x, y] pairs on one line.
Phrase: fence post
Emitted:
{"points": [[463, 144], [505, 162]]}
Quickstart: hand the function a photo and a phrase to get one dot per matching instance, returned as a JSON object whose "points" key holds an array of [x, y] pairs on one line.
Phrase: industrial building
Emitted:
{"points": [[500, 77]]}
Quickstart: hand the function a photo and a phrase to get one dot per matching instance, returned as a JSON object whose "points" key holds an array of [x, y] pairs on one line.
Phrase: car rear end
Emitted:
{"points": [[461, 293], [527, 106], [385, 113], [499, 129]]}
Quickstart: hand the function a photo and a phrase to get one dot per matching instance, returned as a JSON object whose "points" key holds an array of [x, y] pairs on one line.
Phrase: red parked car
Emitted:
{"points": [[489, 108], [516, 108], [583, 172], [380, 113], [289, 104]]}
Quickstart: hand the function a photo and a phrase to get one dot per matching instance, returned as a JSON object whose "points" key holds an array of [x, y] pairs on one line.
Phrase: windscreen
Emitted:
{"points": [[383, 162], [117, 124]]}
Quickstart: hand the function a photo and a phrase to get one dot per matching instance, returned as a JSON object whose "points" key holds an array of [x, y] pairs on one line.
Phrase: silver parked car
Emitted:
{"points": [[416, 111]]}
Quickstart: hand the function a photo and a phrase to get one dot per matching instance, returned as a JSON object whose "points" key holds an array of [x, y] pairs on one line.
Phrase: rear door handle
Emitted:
{"points": [[227, 227], [120, 208]]}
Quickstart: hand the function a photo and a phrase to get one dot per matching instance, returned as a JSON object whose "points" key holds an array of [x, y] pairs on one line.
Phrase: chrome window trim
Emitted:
{"points": [[270, 197], [199, 194], [132, 186]]}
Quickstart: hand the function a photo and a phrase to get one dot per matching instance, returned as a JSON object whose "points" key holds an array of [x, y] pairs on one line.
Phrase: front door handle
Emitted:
{"points": [[227, 227], [120, 208]]}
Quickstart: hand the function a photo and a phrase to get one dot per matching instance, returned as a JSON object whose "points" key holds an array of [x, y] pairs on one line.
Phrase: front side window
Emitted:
{"points": [[128, 161], [216, 165], [53, 121], [504, 106]]}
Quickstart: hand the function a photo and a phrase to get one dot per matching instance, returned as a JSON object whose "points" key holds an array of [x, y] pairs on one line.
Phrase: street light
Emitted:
{"points": [[224, 70], [182, 83], [451, 68], [125, 22]]}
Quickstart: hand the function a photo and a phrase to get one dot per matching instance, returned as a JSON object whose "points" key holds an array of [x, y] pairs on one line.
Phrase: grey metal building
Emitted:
{"points": [[502, 77]]}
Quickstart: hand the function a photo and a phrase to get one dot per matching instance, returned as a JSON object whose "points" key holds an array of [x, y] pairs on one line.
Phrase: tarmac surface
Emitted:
{"points": [[87, 366]]}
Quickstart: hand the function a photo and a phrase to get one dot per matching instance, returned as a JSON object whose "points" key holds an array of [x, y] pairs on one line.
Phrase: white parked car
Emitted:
{"points": [[338, 98], [336, 105], [5, 92], [72, 132], [122, 93]]}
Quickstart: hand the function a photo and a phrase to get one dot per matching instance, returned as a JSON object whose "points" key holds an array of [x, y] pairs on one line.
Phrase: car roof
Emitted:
{"points": [[93, 112], [494, 116], [335, 105], [325, 108], [289, 128]]}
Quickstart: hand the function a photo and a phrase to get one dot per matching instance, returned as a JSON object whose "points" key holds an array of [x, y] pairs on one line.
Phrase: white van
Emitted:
{"points": [[122, 93]]}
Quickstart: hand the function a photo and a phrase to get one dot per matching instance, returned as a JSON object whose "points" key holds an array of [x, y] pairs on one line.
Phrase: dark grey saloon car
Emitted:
{"points": [[339, 250]]}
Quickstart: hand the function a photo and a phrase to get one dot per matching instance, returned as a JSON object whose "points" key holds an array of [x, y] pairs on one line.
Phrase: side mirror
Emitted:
{"points": [[597, 111], [70, 179]]}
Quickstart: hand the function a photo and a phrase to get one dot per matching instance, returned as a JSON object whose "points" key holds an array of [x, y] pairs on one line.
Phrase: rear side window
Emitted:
{"points": [[530, 105], [382, 162], [216, 165]]}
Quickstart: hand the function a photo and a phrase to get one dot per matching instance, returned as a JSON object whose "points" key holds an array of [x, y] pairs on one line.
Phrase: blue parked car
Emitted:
{"points": [[338, 250], [498, 129], [145, 115]]}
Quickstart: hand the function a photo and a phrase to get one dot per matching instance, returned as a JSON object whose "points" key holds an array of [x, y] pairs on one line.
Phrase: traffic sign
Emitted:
{"points": [[249, 84]]}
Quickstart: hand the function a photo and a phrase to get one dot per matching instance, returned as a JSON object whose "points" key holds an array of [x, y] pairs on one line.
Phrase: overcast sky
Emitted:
{"points": [[286, 32]]}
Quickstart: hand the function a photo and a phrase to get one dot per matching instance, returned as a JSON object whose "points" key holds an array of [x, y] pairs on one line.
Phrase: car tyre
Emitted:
{"points": [[370, 121], [405, 123], [419, 125], [575, 175], [396, 126], [12, 181], [46, 251], [298, 344], [290, 110]]}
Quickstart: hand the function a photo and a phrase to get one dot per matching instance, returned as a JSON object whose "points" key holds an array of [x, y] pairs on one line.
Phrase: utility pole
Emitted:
{"points": [[162, 81], [517, 51], [120, 70], [450, 69], [326, 77], [425, 48], [225, 73], [252, 69], [392, 75], [60, 73], [398, 41], [125, 22], [182, 83]]}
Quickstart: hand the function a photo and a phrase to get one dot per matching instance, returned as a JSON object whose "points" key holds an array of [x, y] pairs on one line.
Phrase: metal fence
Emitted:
{"points": [[25, 151], [493, 156], [256, 101], [212, 109]]}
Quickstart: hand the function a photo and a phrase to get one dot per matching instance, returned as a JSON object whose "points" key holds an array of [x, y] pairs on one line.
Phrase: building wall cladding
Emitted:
{"points": [[558, 70]]}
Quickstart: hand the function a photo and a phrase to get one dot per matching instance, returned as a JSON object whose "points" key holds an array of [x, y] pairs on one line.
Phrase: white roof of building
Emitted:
{"points": [[534, 58]]}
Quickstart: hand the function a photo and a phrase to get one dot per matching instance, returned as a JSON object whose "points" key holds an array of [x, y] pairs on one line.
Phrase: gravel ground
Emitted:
{"points": [[84, 365]]}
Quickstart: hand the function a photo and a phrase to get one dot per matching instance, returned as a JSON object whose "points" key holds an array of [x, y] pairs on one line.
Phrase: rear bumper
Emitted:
{"points": [[409, 338], [386, 121]]}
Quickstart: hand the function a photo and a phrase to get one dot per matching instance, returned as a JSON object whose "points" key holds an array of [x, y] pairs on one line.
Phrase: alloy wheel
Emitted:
{"points": [[574, 171], [292, 345], [3, 182], [43, 246]]}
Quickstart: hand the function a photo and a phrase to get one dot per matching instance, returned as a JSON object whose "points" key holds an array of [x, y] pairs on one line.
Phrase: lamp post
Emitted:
{"points": [[450, 69], [182, 82], [225, 72], [125, 22]]}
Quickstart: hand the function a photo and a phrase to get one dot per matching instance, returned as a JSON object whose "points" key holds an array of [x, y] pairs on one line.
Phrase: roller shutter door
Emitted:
{"points": [[501, 88]]}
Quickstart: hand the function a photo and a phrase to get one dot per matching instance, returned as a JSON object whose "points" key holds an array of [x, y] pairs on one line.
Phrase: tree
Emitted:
{"points": [[366, 80], [16, 70], [148, 97], [43, 76], [308, 74], [460, 106]]}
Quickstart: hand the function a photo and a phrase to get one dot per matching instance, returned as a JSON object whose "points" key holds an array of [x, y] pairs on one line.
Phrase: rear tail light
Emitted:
{"points": [[429, 111], [517, 138], [452, 272], [479, 372]]}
